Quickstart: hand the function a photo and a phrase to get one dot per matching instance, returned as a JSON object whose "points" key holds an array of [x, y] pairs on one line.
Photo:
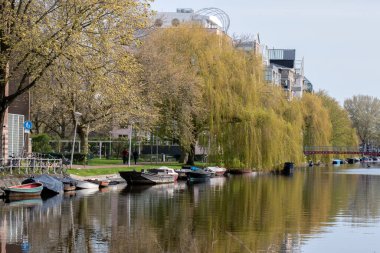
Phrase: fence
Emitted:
{"points": [[32, 165]]}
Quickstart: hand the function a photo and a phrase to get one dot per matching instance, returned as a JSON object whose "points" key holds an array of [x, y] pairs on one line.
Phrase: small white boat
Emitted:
{"points": [[216, 171], [86, 185], [169, 171]]}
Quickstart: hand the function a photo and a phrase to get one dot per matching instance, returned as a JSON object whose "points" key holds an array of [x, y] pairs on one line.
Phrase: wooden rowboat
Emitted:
{"points": [[69, 187], [24, 190]]}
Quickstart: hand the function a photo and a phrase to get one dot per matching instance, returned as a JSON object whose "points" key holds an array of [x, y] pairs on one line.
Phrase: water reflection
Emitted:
{"points": [[236, 214]]}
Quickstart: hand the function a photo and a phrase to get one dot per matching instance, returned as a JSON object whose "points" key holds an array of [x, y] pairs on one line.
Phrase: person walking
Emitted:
{"points": [[135, 156], [125, 155]]}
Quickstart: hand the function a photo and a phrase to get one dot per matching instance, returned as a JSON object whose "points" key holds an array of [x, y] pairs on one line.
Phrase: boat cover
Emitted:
{"points": [[49, 182]]}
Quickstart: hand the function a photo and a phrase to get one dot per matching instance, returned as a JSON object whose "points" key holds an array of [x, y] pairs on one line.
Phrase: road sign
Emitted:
{"points": [[28, 125]]}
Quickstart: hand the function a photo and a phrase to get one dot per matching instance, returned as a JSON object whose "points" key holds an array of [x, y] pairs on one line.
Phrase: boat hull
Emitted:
{"points": [[182, 174], [239, 171], [136, 178], [69, 187], [31, 190], [86, 185], [101, 183], [52, 186], [196, 176]]}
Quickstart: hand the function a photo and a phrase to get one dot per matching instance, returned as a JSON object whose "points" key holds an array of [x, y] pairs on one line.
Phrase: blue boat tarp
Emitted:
{"points": [[49, 182]]}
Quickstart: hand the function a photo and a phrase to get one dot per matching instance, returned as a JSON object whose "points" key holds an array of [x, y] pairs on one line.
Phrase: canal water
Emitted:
{"points": [[315, 210]]}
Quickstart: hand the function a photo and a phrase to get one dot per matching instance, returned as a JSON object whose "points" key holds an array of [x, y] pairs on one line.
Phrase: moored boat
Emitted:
{"points": [[216, 171], [182, 173], [288, 169], [198, 175], [146, 177], [239, 171], [101, 183], [353, 160], [165, 171], [337, 162], [86, 185], [51, 186], [69, 187], [30, 190]]}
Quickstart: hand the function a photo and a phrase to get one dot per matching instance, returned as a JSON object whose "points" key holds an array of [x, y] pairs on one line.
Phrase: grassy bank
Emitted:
{"points": [[107, 171]]}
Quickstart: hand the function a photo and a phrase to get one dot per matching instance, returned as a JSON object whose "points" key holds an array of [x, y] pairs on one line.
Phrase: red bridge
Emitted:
{"points": [[328, 150]]}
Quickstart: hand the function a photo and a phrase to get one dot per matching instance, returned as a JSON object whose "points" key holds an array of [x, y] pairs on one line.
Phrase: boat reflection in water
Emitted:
{"points": [[159, 190], [86, 192], [236, 214], [24, 203]]}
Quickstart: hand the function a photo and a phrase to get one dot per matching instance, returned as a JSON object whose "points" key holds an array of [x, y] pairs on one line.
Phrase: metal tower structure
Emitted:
{"points": [[221, 15]]}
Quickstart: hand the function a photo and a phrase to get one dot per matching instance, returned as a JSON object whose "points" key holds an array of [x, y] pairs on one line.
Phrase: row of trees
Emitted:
{"points": [[186, 84], [76, 47], [196, 87]]}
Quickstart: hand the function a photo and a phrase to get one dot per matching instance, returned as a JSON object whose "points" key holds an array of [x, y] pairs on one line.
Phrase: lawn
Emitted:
{"points": [[108, 171], [98, 161]]}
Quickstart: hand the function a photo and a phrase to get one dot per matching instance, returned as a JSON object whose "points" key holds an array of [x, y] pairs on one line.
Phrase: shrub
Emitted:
{"points": [[41, 143]]}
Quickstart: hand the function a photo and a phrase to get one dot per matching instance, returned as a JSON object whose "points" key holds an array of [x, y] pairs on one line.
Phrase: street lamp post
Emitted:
{"points": [[130, 145], [76, 115], [110, 145]]}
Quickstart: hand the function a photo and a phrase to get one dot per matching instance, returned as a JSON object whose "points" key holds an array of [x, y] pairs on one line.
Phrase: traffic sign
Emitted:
{"points": [[28, 125]]}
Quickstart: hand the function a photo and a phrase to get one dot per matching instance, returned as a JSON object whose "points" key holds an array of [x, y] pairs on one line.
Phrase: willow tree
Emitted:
{"points": [[364, 112], [169, 66], [343, 133], [317, 129], [211, 90], [37, 34]]}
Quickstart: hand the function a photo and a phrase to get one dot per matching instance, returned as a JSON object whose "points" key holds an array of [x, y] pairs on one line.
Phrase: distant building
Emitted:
{"points": [[283, 62], [15, 141], [209, 18], [308, 86], [280, 66]]}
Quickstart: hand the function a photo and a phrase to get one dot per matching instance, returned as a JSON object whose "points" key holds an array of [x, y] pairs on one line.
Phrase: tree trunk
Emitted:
{"points": [[184, 156], [191, 158], [83, 135]]}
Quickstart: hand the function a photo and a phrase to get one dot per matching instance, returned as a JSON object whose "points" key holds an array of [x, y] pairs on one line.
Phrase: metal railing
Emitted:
{"points": [[32, 165], [327, 150], [330, 148]]}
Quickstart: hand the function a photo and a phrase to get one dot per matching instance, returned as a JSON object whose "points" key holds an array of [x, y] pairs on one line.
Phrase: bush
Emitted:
{"points": [[40, 143], [78, 158]]}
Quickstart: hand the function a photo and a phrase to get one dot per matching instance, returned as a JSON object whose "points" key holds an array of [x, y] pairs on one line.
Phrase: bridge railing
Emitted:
{"points": [[331, 149], [327, 150]]}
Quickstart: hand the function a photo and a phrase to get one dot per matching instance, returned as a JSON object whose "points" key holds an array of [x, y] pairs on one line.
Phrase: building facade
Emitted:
{"points": [[16, 141]]}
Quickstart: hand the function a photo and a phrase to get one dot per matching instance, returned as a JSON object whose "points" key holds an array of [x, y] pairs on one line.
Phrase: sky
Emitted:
{"points": [[338, 39]]}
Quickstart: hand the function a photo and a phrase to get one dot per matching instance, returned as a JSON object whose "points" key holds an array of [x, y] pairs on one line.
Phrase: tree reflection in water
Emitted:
{"points": [[237, 214]]}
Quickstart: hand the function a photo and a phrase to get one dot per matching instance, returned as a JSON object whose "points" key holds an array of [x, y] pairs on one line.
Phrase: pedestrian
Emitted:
{"points": [[135, 156], [125, 155]]}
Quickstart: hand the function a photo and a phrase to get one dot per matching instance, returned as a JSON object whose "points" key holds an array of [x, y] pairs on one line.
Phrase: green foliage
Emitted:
{"points": [[364, 111], [79, 158], [343, 134], [41, 143], [248, 124]]}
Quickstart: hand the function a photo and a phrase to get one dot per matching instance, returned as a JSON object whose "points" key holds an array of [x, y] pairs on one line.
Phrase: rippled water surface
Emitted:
{"points": [[315, 210]]}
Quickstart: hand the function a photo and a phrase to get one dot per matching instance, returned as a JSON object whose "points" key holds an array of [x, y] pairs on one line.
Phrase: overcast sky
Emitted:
{"points": [[339, 39]]}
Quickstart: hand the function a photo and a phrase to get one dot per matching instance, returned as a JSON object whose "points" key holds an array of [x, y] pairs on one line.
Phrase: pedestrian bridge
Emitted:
{"points": [[329, 150]]}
